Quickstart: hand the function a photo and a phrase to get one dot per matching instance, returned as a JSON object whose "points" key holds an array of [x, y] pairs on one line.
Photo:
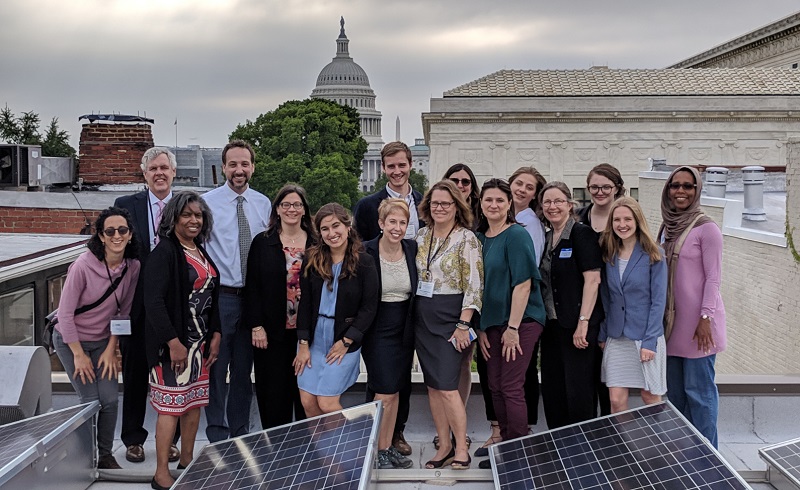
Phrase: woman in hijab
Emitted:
{"points": [[695, 325]]}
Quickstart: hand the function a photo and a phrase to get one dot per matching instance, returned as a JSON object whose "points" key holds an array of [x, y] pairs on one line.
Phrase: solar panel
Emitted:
{"points": [[335, 450], [784, 457], [648, 447], [22, 442]]}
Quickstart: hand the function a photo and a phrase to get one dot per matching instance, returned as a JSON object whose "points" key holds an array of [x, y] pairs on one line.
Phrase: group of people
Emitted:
{"points": [[511, 267]]}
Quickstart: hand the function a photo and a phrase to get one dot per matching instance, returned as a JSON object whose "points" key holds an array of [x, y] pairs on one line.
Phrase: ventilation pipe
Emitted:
{"points": [[716, 181], [753, 180]]}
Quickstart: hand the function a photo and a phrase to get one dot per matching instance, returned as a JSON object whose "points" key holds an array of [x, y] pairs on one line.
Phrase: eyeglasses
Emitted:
{"points": [[286, 205], [685, 186], [110, 232], [606, 189], [445, 205], [463, 182], [557, 203]]}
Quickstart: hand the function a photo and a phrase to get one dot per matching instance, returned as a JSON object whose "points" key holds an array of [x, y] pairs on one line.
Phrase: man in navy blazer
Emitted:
{"points": [[396, 164], [159, 167]]}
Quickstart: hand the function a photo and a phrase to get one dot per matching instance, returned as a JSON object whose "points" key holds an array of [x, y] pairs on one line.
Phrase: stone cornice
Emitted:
{"points": [[788, 26]]}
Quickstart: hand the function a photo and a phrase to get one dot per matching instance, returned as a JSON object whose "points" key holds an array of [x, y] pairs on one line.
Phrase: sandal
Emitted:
{"points": [[436, 442], [438, 463], [483, 451], [461, 465]]}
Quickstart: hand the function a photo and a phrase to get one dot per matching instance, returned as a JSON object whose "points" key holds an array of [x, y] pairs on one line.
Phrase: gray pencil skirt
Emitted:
{"points": [[434, 323]]}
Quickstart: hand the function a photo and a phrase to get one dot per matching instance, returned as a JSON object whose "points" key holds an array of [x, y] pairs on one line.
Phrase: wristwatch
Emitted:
{"points": [[582, 318], [705, 317], [303, 342], [346, 343]]}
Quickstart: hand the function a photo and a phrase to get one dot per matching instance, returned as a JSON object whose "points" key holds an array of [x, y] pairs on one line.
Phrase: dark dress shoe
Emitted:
{"points": [[155, 486], [399, 443], [108, 462], [486, 464], [174, 453], [135, 453]]}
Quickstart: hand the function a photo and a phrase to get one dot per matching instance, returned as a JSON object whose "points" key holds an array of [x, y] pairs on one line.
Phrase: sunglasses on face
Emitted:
{"points": [[463, 182], [109, 232], [685, 186]]}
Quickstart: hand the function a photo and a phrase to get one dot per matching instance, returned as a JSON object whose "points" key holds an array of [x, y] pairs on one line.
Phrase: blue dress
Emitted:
{"points": [[323, 379]]}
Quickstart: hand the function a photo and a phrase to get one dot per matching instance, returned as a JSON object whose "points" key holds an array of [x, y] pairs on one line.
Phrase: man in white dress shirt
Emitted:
{"points": [[240, 213]]}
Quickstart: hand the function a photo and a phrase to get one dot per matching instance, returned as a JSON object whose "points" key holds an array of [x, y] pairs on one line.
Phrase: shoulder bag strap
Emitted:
{"points": [[109, 292]]}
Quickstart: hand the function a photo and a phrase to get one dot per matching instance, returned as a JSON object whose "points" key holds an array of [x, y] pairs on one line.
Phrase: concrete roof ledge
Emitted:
{"points": [[732, 222]]}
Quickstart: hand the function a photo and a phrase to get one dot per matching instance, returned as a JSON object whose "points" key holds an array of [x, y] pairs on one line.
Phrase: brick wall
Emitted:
{"points": [[760, 285], [112, 153], [44, 220]]}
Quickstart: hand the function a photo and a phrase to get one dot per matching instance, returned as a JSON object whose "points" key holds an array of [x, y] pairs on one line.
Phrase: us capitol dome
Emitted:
{"points": [[345, 82]]}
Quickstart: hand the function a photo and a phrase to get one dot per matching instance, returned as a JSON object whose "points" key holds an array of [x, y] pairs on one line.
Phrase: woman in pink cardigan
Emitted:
{"points": [[698, 332]]}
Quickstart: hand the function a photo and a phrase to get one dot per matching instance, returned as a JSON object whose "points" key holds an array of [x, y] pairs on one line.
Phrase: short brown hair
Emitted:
{"points": [[611, 173], [392, 204], [238, 144], [463, 212], [393, 148]]}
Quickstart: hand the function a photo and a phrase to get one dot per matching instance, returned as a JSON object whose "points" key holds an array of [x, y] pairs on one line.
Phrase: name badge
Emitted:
{"points": [[425, 288], [565, 253], [120, 325]]}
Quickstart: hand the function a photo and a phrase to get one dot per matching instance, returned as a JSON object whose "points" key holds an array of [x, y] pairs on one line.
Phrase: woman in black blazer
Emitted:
{"points": [[182, 332], [570, 269], [389, 345], [338, 305], [273, 286]]}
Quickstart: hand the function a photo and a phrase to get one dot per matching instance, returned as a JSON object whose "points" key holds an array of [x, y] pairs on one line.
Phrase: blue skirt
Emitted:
{"points": [[323, 379]]}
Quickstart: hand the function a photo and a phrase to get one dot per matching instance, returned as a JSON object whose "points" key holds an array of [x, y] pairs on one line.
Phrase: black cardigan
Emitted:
{"points": [[365, 213], [265, 292], [410, 252], [166, 295], [356, 303], [566, 275]]}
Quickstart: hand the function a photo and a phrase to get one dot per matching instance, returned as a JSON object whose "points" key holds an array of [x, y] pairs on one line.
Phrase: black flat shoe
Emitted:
{"points": [[486, 464], [461, 465], [438, 463], [155, 486]]}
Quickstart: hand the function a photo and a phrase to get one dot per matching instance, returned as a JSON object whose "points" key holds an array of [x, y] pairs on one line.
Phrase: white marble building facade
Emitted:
{"points": [[564, 122]]}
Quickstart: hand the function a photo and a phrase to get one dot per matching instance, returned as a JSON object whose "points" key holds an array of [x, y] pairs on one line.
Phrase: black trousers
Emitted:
{"points": [[569, 387], [277, 394], [403, 404], [135, 390], [531, 386], [602, 395]]}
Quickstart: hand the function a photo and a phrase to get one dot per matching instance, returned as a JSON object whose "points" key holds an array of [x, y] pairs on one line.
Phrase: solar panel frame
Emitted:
{"points": [[629, 458], [53, 428], [778, 455], [299, 472]]}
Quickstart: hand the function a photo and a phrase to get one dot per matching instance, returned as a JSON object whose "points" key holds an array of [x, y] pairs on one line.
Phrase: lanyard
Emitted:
{"points": [[438, 249], [114, 290]]}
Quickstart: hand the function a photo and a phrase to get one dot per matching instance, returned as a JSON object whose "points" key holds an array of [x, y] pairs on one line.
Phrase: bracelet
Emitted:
{"points": [[465, 322], [256, 329], [516, 329], [461, 326]]}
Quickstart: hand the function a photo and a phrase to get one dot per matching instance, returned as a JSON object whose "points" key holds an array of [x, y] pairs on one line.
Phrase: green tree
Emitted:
{"points": [[417, 180], [24, 130], [314, 142]]}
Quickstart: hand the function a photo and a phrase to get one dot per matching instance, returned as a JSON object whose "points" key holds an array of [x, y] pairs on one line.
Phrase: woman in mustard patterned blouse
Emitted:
{"points": [[450, 268]]}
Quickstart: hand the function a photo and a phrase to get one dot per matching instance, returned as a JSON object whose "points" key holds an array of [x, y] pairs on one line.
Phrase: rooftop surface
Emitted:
{"points": [[746, 423], [604, 82], [18, 247]]}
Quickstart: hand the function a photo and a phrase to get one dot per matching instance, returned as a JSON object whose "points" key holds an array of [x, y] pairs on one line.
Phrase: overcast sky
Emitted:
{"points": [[213, 64]]}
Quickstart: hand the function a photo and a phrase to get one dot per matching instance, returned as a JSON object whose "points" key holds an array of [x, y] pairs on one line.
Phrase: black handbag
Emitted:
{"points": [[51, 320]]}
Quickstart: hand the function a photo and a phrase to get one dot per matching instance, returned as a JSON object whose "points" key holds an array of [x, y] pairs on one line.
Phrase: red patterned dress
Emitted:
{"points": [[175, 394]]}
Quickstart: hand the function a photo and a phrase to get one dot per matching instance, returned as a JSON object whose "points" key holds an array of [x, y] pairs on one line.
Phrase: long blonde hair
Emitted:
{"points": [[611, 243]]}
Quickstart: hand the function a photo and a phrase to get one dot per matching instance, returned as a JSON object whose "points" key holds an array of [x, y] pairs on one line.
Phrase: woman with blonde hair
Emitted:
{"points": [[633, 291], [450, 269]]}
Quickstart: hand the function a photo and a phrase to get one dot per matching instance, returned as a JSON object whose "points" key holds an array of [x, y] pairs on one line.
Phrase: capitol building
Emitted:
{"points": [[345, 82]]}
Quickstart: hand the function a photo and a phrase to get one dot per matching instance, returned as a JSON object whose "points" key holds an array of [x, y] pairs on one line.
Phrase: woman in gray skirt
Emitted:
{"points": [[450, 268], [634, 293]]}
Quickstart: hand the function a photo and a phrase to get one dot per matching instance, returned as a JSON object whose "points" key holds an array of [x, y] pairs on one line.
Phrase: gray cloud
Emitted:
{"points": [[214, 64]]}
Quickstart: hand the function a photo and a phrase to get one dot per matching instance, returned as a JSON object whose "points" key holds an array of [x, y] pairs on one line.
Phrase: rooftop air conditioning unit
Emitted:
{"points": [[15, 162]]}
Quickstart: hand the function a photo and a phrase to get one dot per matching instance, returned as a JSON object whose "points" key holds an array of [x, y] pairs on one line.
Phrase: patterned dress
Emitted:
{"points": [[175, 394]]}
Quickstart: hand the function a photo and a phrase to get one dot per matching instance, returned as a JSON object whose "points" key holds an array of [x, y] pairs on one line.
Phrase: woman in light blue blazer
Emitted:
{"points": [[634, 292]]}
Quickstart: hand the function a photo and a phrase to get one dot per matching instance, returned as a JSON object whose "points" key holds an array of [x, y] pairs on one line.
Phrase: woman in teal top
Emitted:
{"points": [[513, 314]]}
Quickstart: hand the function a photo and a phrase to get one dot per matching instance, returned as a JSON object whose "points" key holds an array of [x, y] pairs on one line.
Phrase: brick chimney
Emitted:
{"points": [[112, 153]]}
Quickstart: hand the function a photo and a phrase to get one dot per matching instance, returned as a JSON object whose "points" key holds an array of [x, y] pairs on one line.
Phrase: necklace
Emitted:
{"points": [[293, 240], [189, 248]]}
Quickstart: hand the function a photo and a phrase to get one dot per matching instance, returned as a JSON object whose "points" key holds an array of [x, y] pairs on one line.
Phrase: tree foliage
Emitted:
{"points": [[24, 130], [314, 142], [417, 180]]}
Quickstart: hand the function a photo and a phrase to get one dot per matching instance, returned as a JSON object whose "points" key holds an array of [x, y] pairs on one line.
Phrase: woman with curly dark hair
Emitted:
{"points": [[85, 339], [182, 326], [339, 302]]}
